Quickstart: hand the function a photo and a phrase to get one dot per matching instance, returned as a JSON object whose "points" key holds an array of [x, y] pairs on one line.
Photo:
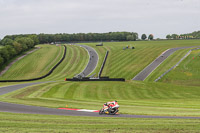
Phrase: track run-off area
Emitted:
{"points": [[27, 109], [88, 66]]}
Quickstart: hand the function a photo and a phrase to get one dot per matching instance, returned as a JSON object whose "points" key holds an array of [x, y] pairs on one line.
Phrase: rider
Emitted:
{"points": [[110, 105]]}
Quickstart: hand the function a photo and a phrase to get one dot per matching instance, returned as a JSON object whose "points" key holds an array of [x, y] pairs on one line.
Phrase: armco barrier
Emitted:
{"points": [[33, 79], [96, 79], [104, 62], [176, 64]]}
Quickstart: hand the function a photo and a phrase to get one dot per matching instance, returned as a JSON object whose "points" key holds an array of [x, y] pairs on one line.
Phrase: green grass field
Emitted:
{"points": [[167, 64], [40, 62], [128, 63], [74, 63], [36, 64], [134, 97], [48, 123], [177, 94], [187, 73]]}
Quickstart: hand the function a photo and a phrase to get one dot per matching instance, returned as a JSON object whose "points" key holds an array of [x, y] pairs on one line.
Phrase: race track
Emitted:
{"points": [[93, 60], [18, 108], [150, 68]]}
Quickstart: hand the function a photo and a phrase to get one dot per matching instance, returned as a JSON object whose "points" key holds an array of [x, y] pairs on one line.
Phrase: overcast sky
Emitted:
{"points": [[158, 17]]}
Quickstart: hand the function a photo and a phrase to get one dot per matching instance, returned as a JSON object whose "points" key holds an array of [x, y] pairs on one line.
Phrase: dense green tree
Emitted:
{"points": [[44, 38], [1, 61], [174, 36], [6, 41], [11, 50], [49, 38], [150, 37], [144, 37], [168, 36], [65, 37], [29, 42], [58, 38], [4, 54], [130, 38], [26, 42], [18, 47], [34, 38]]}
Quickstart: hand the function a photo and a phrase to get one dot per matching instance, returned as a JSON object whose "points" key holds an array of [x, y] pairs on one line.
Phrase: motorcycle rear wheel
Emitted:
{"points": [[100, 112]]}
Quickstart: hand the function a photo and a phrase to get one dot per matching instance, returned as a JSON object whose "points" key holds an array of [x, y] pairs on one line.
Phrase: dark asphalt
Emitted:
{"points": [[26, 109], [93, 61], [150, 68], [7, 89]]}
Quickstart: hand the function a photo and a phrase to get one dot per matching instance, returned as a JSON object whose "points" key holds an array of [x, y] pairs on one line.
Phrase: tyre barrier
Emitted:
{"points": [[104, 62], [44, 76], [96, 79]]}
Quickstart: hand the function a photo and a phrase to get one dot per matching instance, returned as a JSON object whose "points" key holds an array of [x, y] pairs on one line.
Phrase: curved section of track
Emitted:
{"points": [[93, 60], [150, 68], [44, 76], [19, 108]]}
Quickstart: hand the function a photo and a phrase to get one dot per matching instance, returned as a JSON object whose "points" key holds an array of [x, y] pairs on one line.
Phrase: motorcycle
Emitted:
{"points": [[110, 109]]}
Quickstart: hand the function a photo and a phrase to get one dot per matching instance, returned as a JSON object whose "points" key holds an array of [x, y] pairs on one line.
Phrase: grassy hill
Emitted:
{"points": [[177, 94], [128, 63], [167, 64], [74, 63], [120, 63], [36, 64], [187, 73], [40, 62]]}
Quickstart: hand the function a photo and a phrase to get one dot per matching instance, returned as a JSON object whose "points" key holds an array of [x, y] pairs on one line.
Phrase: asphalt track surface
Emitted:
{"points": [[150, 68], [27, 109], [92, 63]]}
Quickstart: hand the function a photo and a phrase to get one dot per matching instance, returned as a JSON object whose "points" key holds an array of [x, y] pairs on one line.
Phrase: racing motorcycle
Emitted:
{"points": [[110, 109]]}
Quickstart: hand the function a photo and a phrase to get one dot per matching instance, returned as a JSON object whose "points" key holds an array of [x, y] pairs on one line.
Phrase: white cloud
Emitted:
{"points": [[159, 17]]}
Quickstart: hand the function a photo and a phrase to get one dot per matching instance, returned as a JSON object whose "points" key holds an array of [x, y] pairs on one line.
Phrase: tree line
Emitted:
{"points": [[81, 37], [10, 48], [193, 35], [78, 37]]}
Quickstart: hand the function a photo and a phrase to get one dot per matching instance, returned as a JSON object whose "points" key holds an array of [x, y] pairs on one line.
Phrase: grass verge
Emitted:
{"points": [[134, 97], [49, 123]]}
